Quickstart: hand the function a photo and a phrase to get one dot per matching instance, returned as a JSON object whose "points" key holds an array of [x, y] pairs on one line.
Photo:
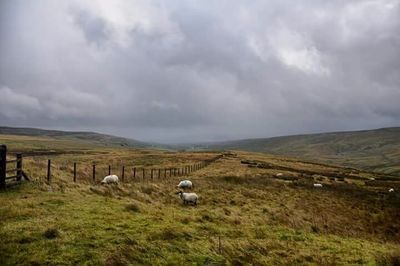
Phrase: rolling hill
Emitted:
{"points": [[374, 150], [65, 138]]}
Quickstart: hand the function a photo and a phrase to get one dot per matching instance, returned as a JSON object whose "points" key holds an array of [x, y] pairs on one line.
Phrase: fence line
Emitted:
{"points": [[168, 172]]}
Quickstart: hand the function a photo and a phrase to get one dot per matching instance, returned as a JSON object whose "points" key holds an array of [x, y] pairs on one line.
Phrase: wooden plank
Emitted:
{"points": [[25, 176], [11, 170], [11, 177], [11, 161]]}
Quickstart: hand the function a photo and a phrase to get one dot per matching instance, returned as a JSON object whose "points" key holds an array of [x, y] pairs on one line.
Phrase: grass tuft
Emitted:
{"points": [[51, 233], [133, 207]]}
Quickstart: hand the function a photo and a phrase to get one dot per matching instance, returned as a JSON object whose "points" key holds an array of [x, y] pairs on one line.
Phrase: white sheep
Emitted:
{"points": [[279, 174], [110, 179], [188, 197], [391, 190], [317, 185], [185, 184]]}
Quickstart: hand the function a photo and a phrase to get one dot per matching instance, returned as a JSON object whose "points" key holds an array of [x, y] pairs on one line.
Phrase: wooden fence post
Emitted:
{"points": [[123, 173], [48, 170], [151, 175], [109, 170], [94, 173], [165, 172], [74, 172], [143, 174], [159, 173], [3, 164], [19, 166], [134, 172]]}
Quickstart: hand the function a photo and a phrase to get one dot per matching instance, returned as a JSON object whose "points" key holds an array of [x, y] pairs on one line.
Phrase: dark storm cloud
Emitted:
{"points": [[189, 71]]}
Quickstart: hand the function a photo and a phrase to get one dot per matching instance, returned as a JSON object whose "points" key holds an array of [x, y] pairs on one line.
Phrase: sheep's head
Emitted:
{"points": [[179, 192]]}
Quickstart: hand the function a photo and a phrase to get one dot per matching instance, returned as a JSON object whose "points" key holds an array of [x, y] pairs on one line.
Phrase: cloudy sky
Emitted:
{"points": [[178, 71]]}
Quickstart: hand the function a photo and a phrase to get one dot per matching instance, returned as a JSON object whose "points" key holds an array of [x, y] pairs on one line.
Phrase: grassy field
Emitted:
{"points": [[245, 214], [373, 150]]}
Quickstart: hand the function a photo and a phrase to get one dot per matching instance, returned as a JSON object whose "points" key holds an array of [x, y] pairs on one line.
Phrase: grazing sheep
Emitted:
{"points": [[279, 174], [391, 189], [185, 184], [317, 185], [188, 197], [110, 179]]}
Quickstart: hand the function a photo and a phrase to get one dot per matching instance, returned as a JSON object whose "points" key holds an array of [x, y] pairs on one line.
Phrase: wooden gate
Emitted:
{"points": [[14, 172]]}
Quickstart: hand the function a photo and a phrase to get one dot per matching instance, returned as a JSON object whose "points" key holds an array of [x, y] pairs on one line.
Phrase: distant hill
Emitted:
{"points": [[80, 137], [375, 150]]}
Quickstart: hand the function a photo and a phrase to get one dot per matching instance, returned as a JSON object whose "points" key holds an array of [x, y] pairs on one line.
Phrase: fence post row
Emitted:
{"points": [[172, 171]]}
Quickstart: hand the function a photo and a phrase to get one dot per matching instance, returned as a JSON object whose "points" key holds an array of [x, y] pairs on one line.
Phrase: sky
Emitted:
{"points": [[190, 71]]}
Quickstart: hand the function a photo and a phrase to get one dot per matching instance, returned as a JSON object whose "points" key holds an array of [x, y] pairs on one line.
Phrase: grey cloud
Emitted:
{"points": [[191, 71], [94, 28]]}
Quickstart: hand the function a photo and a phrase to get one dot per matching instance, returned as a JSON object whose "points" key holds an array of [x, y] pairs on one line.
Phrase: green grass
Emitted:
{"points": [[372, 150], [245, 215], [95, 229]]}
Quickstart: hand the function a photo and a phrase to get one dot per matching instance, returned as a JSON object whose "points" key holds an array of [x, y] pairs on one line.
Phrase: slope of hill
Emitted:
{"points": [[263, 214], [375, 150], [79, 138]]}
